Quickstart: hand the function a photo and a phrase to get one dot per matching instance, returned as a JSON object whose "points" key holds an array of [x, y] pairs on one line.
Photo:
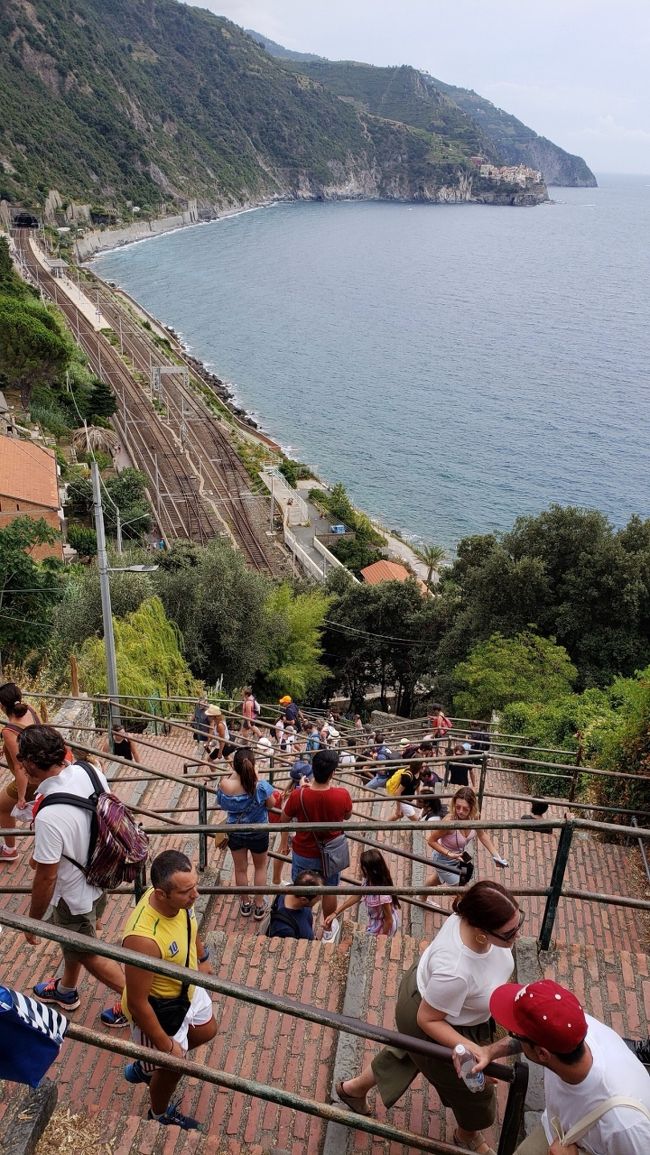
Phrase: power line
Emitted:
{"points": [[369, 634]]}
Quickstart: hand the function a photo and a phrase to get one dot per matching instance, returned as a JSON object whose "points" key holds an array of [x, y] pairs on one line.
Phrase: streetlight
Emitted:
{"points": [[105, 593]]}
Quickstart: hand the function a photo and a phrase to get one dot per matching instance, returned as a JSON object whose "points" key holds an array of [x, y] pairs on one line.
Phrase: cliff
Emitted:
{"points": [[138, 107], [414, 98]]}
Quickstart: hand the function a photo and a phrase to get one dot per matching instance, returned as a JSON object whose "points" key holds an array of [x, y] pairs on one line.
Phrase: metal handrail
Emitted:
{"points": [[304, 1011]]}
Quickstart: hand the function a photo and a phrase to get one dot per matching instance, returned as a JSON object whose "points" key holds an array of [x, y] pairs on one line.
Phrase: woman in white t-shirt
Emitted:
{"points": [[445, 998]]}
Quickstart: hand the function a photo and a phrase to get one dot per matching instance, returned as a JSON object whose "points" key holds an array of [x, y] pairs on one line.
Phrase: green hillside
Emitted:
{"points": [[153, 102], [518, 144], [412, 97]]}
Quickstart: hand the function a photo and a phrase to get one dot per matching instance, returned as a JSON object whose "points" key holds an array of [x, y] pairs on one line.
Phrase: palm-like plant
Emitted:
{"points": [[94, 438], [432, 556]]}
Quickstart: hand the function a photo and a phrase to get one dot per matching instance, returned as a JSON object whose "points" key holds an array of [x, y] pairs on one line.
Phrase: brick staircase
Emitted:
{"points": [[358, 975]]}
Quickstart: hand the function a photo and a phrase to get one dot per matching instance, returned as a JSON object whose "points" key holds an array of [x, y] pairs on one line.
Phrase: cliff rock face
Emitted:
{"points": [[138, 107], [461, 118]]}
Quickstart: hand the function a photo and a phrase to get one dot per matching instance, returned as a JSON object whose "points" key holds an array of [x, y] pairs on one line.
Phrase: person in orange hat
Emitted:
{"points": [[291, 710], [597, 1091]]}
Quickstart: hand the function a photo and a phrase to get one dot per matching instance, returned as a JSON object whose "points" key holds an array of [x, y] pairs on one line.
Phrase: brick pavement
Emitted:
{"points": [[285, 1052]]}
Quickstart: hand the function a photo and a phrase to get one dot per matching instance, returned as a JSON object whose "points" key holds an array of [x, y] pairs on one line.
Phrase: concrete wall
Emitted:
{"points": [[73, 713], [98, 239]]}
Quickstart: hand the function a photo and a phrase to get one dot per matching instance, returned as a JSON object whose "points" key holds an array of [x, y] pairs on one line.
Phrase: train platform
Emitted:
{"points": [[598, 951]]}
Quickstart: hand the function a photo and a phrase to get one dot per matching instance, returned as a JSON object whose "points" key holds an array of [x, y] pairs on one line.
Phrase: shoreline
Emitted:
{"points": [[397, 546], [98, 241]]}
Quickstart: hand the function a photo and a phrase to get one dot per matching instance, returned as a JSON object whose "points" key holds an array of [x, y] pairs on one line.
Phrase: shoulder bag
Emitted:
{"points": [[575, 1133], [334, 853]]}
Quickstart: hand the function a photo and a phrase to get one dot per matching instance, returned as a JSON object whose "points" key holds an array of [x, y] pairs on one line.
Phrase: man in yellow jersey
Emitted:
{"points": [[166, 1014]]}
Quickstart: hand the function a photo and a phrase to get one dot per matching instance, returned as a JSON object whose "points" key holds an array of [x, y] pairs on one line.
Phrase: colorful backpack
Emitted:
{"points": [[118, 846]]}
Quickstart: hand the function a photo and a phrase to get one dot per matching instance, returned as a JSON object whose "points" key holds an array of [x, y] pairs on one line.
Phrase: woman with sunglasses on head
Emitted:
{"points": [[449, 846], [445, 998]]}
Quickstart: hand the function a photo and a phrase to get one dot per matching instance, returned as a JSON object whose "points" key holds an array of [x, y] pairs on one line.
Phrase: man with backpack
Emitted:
{"points": [[62, 843]]}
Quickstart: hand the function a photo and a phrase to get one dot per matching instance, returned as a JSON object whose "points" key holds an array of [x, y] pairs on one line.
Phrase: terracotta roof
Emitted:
{"points": [[28, 472], [384, 571]]}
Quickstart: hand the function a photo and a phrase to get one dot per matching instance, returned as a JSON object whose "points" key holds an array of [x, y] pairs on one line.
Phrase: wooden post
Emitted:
{"points": [[74, 676]]}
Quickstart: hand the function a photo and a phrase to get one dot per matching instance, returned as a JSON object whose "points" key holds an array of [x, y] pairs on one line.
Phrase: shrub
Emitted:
{"points": [[83, 539]]}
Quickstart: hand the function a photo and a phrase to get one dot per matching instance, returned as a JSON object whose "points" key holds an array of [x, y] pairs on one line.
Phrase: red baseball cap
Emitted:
{"points": [[544, 1012]]}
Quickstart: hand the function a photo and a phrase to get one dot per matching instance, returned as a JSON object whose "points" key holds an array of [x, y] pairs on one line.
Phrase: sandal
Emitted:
{"points": [[246, 908], [479, 1145], [356, 1103]]}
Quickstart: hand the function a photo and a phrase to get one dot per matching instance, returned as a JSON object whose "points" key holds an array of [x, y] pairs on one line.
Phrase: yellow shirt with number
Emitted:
{"points": [[170, 935]]}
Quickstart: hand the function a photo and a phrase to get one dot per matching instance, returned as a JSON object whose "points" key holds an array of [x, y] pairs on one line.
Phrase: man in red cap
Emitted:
{"points": [[597, 1092]]}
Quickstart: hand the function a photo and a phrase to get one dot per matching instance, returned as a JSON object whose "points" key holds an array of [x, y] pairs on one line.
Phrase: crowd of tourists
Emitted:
{"points": [[597, 1091]]}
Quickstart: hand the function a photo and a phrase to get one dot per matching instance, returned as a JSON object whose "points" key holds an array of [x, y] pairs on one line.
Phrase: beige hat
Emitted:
{"points": [[213, 711]]}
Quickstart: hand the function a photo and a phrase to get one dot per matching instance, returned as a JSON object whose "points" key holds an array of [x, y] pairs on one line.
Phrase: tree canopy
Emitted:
{"points": [[33, 351], [29, 589], [526, 668], [568, 574]]}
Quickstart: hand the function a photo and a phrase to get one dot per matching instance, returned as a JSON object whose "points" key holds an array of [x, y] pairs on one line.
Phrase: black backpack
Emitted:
{"points": [[276, 918]]}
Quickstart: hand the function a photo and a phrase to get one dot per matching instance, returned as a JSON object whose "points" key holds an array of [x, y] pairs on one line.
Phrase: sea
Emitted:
{"points": [[454, 366]]}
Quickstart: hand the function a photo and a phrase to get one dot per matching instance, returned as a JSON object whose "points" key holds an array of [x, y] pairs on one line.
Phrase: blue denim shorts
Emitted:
{"points": [[298, 864]]}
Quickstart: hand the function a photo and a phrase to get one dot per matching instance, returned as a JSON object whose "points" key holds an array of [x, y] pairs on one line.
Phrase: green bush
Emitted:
{"points": [[52, 419], [83, 539]]}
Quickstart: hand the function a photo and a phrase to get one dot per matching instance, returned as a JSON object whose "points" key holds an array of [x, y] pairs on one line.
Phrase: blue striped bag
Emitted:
{"points": [[31, 1034]]}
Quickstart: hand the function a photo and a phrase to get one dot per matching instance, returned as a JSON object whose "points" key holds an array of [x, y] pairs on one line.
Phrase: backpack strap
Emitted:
{"points": [[285, 918], [59, 798], [575, 1133]]}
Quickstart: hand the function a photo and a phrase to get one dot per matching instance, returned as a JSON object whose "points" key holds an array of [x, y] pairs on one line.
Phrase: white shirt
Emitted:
{"points": [[459, 981], [60, 830], [615, 1071], [263, 752]]}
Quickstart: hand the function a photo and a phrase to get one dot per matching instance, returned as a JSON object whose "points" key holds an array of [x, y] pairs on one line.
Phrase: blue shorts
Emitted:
{"points": [[440, 862], [248, 840], [298, 864], [376, 783]]}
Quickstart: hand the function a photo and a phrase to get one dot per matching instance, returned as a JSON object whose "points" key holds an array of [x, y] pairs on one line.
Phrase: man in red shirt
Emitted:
{"points": [[318, 802]]}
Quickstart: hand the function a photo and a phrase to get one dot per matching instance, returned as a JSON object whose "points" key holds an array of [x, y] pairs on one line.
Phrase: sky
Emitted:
{"points": [[576, 71]]}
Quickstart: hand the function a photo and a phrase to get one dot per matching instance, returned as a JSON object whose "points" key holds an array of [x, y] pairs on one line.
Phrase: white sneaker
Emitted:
{"points": [[332, 934]]}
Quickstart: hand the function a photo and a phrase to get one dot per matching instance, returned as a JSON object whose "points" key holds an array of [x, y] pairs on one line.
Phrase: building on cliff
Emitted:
{"points": [[29, 487], [519, 174]]}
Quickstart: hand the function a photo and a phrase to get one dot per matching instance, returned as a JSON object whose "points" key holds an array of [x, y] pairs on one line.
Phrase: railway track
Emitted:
{"points": [[186, 505], [222, 472]]}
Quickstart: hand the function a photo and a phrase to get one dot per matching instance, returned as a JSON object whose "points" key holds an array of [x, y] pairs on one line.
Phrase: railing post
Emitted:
{"points": [[514, 1113], [203, 821], [481, 784], [140, 882], [557, 878], [574, 783]]}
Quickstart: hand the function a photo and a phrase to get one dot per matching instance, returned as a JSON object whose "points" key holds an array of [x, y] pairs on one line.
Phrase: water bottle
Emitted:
{"points": [[473, 1082]]}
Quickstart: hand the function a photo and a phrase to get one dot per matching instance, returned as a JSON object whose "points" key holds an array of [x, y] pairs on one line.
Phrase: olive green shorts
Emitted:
{"points": [[85, 923], [395, 1069]]}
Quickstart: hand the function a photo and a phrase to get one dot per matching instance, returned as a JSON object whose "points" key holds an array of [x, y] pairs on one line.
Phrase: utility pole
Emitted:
{"points": [[105, 593]]}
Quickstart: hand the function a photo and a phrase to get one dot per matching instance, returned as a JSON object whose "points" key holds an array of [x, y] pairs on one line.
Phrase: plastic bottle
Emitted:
{"points": [[467, 1061]]}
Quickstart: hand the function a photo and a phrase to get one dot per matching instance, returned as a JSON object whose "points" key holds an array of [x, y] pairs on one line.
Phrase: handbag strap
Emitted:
{"points": [[319, 842], [186, 986], [583, 1125]]}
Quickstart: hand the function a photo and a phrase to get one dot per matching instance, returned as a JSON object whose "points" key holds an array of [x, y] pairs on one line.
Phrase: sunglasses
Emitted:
{"points": [[512, 934]]}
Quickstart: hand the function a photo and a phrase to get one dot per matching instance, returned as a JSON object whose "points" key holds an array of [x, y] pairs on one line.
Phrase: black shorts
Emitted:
{"points": [[249, 840]]}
